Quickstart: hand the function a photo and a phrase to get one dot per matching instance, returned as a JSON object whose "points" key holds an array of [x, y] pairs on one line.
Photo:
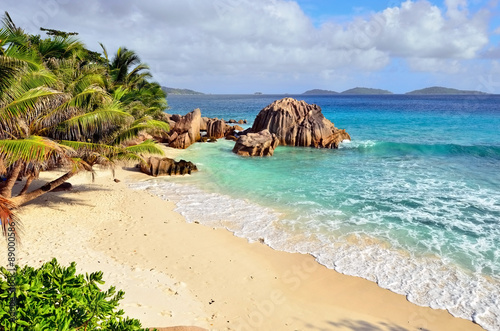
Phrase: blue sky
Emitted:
{"points": [[284, 46], [320, 10]]}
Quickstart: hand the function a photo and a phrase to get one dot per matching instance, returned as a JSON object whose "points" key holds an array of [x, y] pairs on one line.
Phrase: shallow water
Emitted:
{"points": [[412, 203]]}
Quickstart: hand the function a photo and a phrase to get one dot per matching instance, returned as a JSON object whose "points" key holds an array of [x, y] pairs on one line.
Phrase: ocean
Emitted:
{"points": [[411, 203]]}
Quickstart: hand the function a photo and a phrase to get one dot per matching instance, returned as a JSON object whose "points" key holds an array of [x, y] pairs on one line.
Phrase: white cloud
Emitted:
{"points": [[434, 65], [255, 40], [421, 30]]}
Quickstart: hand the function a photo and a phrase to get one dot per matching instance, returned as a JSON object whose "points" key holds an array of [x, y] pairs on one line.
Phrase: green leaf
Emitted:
{"points": [[95, 122], [31, 149], [147, 146]]}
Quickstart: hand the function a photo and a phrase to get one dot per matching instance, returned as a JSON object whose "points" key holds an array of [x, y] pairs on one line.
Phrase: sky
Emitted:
{"points": [[283, 46]]}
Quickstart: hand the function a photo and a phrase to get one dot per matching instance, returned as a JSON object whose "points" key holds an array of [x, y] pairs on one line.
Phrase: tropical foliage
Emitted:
{"points": [[62, 105], [54, 297]]}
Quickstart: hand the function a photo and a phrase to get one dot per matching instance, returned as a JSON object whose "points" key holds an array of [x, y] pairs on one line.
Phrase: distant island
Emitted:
{"points": [[434, 90], [319, 92], [179, 91], [438, 90], [356, 90], [366, 90]]}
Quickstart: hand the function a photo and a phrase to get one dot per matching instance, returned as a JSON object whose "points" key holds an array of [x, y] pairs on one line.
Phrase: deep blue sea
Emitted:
{"points": [[412, 202]]}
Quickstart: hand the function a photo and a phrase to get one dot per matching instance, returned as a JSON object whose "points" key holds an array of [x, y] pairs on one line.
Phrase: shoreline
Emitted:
{"points": [[179, 273]]}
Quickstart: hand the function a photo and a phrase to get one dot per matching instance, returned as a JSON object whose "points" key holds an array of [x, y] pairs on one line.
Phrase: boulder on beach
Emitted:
{"points": [[297, 123], [156, 166], [185, 130], [203, 123], [261, 143]]}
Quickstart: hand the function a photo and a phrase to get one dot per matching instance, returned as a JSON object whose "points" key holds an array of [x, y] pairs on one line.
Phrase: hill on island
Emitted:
{"points": [[366, 90], [356, 90], [319, 92], [438, 90], [179, 91]]}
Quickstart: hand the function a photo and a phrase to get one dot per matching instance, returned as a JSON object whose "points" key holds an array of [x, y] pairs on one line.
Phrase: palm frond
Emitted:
{"points": [[146, 147], [105, 52], [150, 126], [60, 47], [78, 164], [130, 157], [87, 98], [96, 122], [86, 148], [9, 220], [87, 80], [31, 149], [8, 23], [137, 70], [27, 56], [9, 68], [49, 113], [24, 102], [120, 92], [37, 78]]}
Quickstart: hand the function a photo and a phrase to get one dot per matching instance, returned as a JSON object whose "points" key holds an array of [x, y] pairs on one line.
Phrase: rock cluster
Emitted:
{"points": [[297, 123], [185, 130], [156, 166], [261, 143]]}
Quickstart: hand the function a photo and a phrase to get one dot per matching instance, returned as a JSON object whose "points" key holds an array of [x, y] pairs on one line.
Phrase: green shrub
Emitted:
{"points": [[56, 298]]}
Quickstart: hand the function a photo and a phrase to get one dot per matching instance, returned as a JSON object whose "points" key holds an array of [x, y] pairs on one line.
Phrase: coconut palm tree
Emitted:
{"points": [[126, 68], [128, 81], [55, 110]]}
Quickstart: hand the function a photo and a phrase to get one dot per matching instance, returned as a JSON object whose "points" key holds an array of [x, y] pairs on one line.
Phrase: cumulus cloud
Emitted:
{"points": [[421, 30], [262, 39]]}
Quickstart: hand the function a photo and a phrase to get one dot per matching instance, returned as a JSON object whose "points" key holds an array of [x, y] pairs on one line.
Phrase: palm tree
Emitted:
{"points": [[126, 68], [128, 81], [55, 110], [61, 48], [7, 217]]}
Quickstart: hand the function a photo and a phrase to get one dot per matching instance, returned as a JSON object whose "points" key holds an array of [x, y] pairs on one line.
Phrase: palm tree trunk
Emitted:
{"points": [[27, 185], [6, 191], [22, 199]]}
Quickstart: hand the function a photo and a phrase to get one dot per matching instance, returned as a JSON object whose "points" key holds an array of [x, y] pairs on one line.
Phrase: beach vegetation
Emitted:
{"points": [[54, 297], [63, 106]]}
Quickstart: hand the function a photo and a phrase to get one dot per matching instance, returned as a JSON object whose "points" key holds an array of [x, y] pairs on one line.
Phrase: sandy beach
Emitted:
{"points": [[177, 273]]}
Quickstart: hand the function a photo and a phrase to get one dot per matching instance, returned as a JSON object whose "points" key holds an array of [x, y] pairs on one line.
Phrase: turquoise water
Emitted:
{"points": [[412, 202]]}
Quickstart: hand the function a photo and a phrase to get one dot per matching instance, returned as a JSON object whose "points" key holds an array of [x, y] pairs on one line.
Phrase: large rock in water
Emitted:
{"points": [[298, 123], [216, 128], [167, 167], [262, 143], [185, 130]]}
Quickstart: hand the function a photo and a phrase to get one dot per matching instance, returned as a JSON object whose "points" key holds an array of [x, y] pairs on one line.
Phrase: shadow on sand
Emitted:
{"points": [[359, 325]]}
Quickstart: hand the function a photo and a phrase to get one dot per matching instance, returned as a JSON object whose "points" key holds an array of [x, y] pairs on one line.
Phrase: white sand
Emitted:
{"points": [[175, 273]]}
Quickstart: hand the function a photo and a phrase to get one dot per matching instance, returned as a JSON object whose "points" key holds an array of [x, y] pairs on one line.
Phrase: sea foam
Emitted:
{"points": [[424, 280]]}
